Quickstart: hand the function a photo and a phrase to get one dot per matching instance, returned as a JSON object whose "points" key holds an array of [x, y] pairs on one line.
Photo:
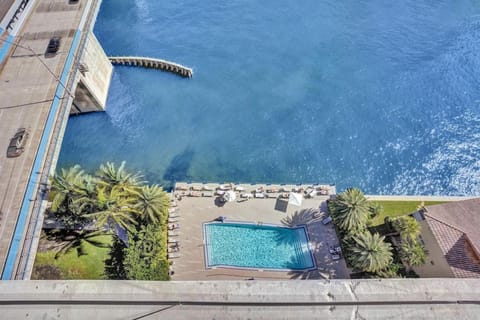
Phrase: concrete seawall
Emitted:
{"points": [[416, 198], [153, 64]]}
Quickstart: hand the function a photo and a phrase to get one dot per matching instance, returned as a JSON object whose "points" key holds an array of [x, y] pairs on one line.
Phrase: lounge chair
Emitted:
{"points": [[194, 194], [173, 255], [259, 195], [207, 188], [240, 189], [173, 249], [173, 233], [173, 226], [272, 190], [336, 257], [173, 240], [181, 188], [327, 220], [196, 188], [207, 194], [246, 195], [272, 195]]}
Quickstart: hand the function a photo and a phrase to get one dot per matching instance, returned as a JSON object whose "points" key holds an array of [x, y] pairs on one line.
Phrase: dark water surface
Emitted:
{"points": [[378, 94]]}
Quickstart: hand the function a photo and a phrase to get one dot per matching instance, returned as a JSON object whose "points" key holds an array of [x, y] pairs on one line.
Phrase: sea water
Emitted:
{"points": [[382, 95]]}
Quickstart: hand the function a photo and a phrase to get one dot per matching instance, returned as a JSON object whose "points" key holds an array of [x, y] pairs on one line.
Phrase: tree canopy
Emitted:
{"points": [[350, 210], [113, 199], [371, 253]]}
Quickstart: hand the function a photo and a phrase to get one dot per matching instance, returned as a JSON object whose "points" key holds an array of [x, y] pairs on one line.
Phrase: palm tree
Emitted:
{"points": [[422, 208], [152, 203], [370, 253], [412, 253], [350, 210], [375, 209], [115, 207], [65, 186], [111, 176], [408, 227]]}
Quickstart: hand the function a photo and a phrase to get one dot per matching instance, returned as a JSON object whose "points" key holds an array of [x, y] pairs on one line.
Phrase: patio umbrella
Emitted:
{"points": [[229, 196], [295, 199]]}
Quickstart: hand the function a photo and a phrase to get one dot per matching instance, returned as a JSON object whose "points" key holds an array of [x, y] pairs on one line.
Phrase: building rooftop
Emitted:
{"points": [[455, 225]]}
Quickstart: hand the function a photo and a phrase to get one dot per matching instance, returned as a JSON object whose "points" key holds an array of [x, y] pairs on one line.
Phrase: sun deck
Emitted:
{"points": [[194, 210]]}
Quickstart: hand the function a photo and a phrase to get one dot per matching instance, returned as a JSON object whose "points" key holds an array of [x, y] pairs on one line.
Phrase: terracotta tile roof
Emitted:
{"points": [[455, 226]]}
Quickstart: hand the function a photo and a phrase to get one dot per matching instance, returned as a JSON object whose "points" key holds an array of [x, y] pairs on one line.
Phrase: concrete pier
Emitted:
{"points": [[153, 64]]}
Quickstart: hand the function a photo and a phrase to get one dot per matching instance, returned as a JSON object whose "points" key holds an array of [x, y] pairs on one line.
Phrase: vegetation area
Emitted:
{"points": [[390, 252], [397, 208], [71, 266], [109, 225]]}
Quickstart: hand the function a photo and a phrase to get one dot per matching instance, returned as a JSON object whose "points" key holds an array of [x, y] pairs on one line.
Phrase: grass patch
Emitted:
{"points": [[70, 266], [398, 208]]}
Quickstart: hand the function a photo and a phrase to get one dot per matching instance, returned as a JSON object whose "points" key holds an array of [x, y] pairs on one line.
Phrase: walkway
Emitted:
{"points": [[194, 211], [334, 299], [30, 97]]}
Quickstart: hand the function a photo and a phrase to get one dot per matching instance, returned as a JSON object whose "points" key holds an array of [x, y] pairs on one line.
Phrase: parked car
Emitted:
{"points": [[327, 220], [17, 143], [52, 48]]}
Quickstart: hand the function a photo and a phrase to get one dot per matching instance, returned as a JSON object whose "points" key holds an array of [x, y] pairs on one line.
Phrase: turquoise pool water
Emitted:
{"points": [[257, 246]]}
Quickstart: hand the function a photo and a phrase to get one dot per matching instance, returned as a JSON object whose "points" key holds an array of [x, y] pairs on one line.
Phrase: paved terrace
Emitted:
{"points": [[29, 98], [193, 211], [334, 299]]}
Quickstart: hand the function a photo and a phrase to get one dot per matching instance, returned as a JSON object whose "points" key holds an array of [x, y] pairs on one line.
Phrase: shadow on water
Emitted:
{"points": [[178, 168]]}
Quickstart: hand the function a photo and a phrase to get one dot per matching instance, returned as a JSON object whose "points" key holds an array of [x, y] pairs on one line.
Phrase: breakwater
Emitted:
{"points": [[153, 63]]}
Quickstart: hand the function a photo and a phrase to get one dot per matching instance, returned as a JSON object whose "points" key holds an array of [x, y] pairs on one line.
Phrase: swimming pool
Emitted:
{"points": [[248, 245]]}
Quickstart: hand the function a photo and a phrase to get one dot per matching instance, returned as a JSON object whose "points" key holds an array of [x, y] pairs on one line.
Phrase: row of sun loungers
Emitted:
{"points": [[173, 251], [271, 194], [225, 187], [173, 233]]}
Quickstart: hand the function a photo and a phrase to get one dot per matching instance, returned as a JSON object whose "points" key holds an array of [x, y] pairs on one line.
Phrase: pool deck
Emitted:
{"points": [[192, 212]]}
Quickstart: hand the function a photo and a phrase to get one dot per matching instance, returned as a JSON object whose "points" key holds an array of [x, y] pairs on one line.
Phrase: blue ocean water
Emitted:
{"points": [[376, 94], [252, 246]]}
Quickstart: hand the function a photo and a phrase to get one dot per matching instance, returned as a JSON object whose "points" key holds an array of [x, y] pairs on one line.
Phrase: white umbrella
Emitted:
{"points": [[295, 199], [229, 196]]}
